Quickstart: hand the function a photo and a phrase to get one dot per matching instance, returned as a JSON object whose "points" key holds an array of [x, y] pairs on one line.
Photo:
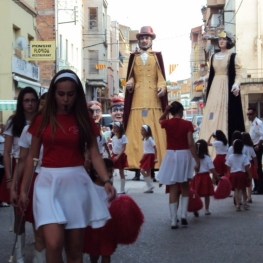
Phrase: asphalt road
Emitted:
{"points": [[226, 236]]}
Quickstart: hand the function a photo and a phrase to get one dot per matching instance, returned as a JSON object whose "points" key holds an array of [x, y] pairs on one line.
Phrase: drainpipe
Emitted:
{"points": [[259, 41]]}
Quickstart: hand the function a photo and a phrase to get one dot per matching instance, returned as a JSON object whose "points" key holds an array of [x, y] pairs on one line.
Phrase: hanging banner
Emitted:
{"points": [[42, 50]]}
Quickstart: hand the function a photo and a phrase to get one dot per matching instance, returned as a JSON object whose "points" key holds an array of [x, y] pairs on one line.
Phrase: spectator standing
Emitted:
{"points": [[256, 134]]}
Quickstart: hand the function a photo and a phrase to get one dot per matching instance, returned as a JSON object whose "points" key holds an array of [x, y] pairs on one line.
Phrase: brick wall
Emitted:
{"points": [[45, 24]]}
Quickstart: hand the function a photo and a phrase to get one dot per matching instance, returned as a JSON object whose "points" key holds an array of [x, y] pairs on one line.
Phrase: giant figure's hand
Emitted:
{"points": [[161, 92], [129, 86], [235, 89], [199, 81]]}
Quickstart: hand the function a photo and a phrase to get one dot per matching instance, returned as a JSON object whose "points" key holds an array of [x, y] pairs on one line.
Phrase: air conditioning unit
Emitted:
{"points": [[214, 22]]}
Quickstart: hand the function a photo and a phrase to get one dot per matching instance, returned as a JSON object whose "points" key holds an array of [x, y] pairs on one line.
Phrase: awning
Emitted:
{"points": [[8, 105], [22, 83], [196, 99]]}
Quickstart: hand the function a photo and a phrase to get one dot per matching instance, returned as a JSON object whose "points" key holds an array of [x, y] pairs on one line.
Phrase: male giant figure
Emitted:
{"points": [[145, 98]]}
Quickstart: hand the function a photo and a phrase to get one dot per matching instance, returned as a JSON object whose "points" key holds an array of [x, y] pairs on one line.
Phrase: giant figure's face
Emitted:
{"points": [[222, 42], [145, 42], [97, 114], [117, 112]]}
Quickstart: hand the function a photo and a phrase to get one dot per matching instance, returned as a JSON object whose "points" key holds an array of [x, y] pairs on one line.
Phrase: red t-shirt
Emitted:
{"points": [[176, 133], [63, 149]]}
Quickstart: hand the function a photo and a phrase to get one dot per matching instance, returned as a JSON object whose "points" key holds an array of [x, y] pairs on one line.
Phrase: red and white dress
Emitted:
{"points": [[63, 191], [238, 176], [117, 144], [147, 161], [178, 163], [202, 182], [101, 142], [25, 142], [220, 159], [4, 192], [250, 152]]}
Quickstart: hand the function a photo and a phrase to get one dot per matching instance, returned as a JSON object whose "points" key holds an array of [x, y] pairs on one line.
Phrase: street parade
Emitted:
{"points": [[115, 147]]}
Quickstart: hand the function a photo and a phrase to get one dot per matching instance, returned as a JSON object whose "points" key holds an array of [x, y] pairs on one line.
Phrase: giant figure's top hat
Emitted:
{"points": [[146, 31]]}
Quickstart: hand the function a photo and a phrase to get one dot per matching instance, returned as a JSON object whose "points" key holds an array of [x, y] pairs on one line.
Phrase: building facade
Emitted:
{"points": [[244, 20], [17, 29], [96, 36]]}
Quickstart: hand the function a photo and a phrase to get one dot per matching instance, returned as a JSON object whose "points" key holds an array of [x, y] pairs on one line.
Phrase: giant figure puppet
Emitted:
{"points": [[223, 110], [116, 108], [145, 98]]}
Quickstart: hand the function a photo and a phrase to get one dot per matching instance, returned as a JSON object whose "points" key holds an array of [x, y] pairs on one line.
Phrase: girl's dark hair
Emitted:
{"points": [[148, 133], [247, 139], [43, 96], [201, 148], [18, 120], [220, 136], [176, 107], [236, 135], [121, 131], [238, 146], [108, 164], [99, 126], [80, 110]]}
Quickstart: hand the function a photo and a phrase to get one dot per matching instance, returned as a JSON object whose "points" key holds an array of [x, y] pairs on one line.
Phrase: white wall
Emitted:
{"points": [[72, 32]]}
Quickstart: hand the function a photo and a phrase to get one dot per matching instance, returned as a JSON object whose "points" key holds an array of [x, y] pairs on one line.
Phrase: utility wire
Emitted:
{"points": [[236, 12]]}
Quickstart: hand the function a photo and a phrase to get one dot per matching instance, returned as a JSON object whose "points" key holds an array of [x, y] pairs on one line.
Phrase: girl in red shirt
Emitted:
{"points": [[178, 163], [65, 200]]}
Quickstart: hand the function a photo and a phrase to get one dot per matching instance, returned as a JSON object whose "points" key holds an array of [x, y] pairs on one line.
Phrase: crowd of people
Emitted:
{"points": [[54, 148], [46, 180]]}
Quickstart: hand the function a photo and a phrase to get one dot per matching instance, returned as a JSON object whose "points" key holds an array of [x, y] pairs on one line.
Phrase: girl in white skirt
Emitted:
{"points": [[65, 200], [149, 157], [178, 163], [119, 156]]}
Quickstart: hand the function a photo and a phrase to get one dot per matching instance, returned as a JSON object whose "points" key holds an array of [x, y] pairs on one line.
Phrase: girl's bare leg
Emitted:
{"points": [[54, 239], [73, 244]]}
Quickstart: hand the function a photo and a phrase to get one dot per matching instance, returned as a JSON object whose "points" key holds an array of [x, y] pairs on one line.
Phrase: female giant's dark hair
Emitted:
{"points": [[18, 120], [80, 110]]}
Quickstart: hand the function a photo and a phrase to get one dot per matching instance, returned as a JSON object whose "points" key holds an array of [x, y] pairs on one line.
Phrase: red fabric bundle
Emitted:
{"points": [[223, 189], [195, 202], [127, 219]]}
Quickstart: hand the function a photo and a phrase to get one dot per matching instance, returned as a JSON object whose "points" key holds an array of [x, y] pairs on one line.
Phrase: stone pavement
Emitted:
{"points": [[226, 236]]}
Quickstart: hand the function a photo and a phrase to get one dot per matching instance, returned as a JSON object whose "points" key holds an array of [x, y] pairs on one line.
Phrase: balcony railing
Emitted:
{"points": [[214, 3]]}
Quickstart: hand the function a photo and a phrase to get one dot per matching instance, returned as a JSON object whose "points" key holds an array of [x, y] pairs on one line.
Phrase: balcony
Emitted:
{"points": [[214, 3]]}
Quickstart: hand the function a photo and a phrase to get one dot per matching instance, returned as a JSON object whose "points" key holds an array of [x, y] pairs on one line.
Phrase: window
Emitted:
{"points": [[111, 85], [93, 18], [72, 54], [66, 50], [60, 46], [93, 60], [77, 56], [258, 106]]}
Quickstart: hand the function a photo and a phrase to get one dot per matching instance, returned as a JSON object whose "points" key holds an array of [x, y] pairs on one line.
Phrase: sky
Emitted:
{"points": [[171, 21]]}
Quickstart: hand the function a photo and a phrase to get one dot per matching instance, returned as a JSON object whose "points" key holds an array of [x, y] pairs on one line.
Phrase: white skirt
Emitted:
{"points": [[67, 196], [177, 167]]}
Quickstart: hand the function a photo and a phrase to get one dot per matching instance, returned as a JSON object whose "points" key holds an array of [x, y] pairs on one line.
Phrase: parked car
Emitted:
{"points": [[190, 118], [106, 120], [197, 120]]}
